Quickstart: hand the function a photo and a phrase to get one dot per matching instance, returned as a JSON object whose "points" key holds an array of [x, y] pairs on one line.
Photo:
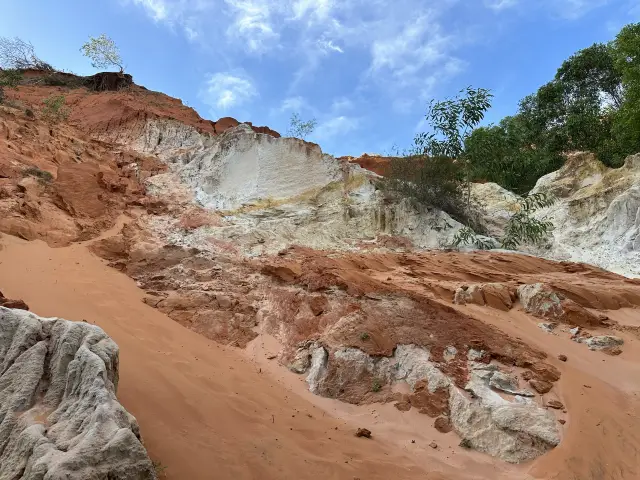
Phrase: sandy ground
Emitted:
{"points": [[207, 411]]}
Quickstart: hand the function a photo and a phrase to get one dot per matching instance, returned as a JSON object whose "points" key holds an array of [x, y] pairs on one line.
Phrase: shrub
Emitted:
{"points": [[41, 175], [436, 171], [299, 128], [376, 385], [364, 336], [54, 109], [522, 227], [10, 78]]}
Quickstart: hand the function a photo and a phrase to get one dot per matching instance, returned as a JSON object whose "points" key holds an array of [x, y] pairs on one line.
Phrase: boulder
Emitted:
{"points": [[61, 417], [513, 431], [603, 342], [542, 301], [541, 386], [494, 295], [472, 294]]}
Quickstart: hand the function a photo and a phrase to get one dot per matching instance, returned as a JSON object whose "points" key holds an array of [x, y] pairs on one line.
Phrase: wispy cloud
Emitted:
{"points": [[224, 90], [158, 9], [336, 126], [500, 4], [567, 9], [252, 24]]}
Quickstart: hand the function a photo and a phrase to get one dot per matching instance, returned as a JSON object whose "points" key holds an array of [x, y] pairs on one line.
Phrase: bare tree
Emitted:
{"points": [[17, 54]]}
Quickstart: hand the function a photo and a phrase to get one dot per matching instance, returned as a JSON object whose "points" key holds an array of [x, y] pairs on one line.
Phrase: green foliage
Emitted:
{"points": [[467, 237], [103, 52], [592, 104], [10, 78], [159, 468], [436, 171], [522, 227], [299, 128], [376, 385], [54, 109], [41, 175], [364, 336]]}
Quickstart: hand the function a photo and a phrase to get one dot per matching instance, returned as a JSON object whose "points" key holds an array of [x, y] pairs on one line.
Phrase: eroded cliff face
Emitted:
{"points": [[241, 235]]}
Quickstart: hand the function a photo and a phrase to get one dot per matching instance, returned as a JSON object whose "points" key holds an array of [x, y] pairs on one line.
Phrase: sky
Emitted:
{"points": [[364, 69]]}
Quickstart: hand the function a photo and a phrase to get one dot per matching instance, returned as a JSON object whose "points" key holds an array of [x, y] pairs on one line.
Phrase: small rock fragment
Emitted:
{"points": [[433, 445], [450, 353], [562, 358], [363, 432], [548, 327], [541, 386], [443, 425], [561, 421], [555, 404]]}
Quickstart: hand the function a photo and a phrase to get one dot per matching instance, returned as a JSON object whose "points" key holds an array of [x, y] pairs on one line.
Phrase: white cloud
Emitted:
{"points": [[336, 126], [156, 8], [572, 9], [328, 46], [293, 104], [252, 24], [568, 9], [500, 4], [224, 90], [341, 104]]}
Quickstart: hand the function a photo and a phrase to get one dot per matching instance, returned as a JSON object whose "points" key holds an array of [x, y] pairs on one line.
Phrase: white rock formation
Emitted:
{"points": [[275, 192], [59, 416], [597, 217], [515, 431]]}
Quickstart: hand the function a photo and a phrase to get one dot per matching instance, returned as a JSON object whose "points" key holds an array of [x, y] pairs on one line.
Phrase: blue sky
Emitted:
{"points": [[365, 69]]}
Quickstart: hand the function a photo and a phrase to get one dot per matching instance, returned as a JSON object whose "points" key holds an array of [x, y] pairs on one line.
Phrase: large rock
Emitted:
{"points": [[59, 416], [513, 431], [542, 301], [597, 215]]}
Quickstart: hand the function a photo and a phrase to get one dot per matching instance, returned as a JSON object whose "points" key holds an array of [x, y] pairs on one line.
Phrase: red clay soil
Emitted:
{"points": [[205, 411], [99, 113], [59, 185]]}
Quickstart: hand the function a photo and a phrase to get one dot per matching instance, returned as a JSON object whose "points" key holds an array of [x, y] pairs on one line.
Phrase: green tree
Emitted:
{"points": [[626, 121], [103, 52], [435, 171], [299, 128]]}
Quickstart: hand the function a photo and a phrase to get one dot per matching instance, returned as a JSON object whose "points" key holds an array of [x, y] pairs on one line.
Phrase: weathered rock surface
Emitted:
{"points": [[8, 303], [603, 342], [495, 295], [542, 301], [513, 431], [59, 416]]}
